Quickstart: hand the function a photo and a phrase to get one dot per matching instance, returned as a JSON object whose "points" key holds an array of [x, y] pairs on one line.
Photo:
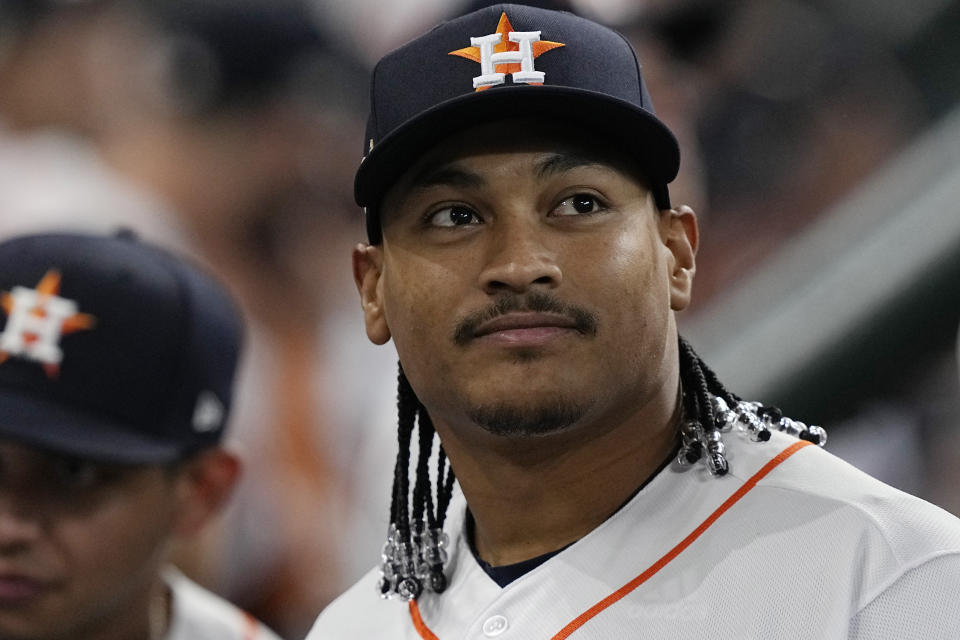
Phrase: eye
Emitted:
{"points": [[455, 216], [577, 205], [76, 474]]}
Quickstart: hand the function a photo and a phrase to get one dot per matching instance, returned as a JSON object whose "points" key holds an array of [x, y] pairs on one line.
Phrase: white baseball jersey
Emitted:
{"points": [[198, 614], [793, 543]]}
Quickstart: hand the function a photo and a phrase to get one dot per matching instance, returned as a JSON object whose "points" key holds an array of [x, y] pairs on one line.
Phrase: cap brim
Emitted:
{"points": [[69, 431], [635, 131]]}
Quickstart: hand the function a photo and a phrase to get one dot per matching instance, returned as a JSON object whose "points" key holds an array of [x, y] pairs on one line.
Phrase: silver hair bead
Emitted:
{"points": [[716, 460], [689, 454], [752, 419], [816, 435], [717, 464], [749, 421], [409, 588], [726, 418], [429, 556], [791, 427], [690, 431]]}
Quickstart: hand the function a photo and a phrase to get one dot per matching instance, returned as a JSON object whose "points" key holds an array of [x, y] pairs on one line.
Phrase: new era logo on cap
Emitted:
{"points": [[506, 51], [208, 414]]}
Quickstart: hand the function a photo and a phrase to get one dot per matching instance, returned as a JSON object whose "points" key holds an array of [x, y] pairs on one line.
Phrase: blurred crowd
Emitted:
{"points": [[230, 131]]}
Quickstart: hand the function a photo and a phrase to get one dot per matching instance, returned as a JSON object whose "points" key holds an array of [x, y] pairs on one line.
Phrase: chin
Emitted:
{"points": [[527, 420]]}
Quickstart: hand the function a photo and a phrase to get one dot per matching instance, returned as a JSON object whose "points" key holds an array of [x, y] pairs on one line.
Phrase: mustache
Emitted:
{"points": [[584, 321]]}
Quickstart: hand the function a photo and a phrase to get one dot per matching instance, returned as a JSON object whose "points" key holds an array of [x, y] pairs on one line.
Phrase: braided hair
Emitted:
{"points": [[415, 551]]}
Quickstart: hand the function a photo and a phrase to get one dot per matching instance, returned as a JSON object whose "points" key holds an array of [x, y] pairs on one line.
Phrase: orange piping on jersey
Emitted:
{"points": [[252, 626], [584, 617], [418, 623]]}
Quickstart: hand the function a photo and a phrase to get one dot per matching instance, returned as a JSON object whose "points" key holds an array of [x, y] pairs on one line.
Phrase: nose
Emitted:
{"points": [[519, 259]]}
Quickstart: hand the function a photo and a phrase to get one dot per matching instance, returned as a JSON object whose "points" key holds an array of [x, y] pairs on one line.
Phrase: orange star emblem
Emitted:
{"points": [[36, 319], [505, 45]]}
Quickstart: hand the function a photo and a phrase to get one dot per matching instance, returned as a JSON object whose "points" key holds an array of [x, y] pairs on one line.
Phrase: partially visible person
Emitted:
{"points": [[230, 157], [116, 366], [246, 153]]}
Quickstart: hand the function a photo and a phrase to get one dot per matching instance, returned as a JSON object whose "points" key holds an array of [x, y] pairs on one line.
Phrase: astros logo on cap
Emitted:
{"points": [[37, 319], [506, 51]]}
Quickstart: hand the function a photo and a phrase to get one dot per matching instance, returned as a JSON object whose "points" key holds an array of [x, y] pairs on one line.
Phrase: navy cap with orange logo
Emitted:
{"points": [[501, 62], [112, 349]]}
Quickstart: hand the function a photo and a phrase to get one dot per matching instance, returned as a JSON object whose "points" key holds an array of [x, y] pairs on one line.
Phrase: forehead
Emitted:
{"points": [[515, 136]]}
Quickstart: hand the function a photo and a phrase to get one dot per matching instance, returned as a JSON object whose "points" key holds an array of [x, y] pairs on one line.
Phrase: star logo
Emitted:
{"points": [[506, 51], [36, 320]]}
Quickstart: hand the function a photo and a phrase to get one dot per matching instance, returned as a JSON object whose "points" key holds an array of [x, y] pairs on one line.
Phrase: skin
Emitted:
{"points": [[550, 423], [82, 543]]}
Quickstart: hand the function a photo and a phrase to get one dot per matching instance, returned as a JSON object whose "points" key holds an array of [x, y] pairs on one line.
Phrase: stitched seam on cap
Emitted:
{"points": [[375, 129], [180, 377], [636, 66]]}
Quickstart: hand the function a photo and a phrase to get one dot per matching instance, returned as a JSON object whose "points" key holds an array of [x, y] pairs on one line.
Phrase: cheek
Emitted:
{"points": [[420, 301], [629, 272], [117, 548], [103, 558], [635, 296], [423, 302]]}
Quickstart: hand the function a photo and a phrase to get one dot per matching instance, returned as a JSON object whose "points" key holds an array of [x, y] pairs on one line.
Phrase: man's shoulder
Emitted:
{"points": [[199, 614], [909, 527], [361, 613]]}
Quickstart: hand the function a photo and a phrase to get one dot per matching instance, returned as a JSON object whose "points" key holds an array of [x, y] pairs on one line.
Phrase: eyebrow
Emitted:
{"points": [[446, 176], [449, 175], [558, 163]]}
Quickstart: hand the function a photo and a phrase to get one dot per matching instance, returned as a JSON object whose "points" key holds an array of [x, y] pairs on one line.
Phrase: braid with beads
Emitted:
{"points": [[415, 550], [416, 547]]}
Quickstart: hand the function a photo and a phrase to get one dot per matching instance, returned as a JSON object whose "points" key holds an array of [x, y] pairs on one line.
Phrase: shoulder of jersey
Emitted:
{"points": [[911, 526], [202, 615], [360, 613]]}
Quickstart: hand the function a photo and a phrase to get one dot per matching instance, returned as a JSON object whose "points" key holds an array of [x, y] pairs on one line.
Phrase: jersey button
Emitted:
{"points": [[494, 626]]}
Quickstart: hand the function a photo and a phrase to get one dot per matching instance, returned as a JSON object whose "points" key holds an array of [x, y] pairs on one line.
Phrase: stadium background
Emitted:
{"points": [[821, 148]]}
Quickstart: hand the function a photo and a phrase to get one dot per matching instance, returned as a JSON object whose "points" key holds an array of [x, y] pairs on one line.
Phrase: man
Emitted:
{"points": [[228, 157], [526, 261], [116, 365]]}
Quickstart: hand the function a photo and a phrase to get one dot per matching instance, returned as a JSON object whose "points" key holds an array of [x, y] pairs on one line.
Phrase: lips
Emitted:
{"points": [[17, 589], [526, 328]]}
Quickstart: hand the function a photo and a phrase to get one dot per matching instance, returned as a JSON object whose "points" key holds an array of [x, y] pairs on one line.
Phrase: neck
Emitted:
{"points": [[146, 618], [532, 496]]}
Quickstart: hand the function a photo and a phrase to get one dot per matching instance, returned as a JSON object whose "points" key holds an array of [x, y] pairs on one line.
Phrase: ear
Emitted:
{"points": [[204, 483], [367, 269], [681, 236]]}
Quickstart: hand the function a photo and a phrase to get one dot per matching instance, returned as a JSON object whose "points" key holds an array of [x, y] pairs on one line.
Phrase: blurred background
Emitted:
{"points": [[821, 149]]}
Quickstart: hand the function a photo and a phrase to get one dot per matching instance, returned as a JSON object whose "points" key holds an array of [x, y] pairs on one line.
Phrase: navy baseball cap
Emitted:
{"points": [[501, 62], [112, 349]]}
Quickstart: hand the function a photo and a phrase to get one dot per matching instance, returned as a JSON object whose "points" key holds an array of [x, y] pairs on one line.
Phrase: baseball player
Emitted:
{"points": [[526, 261], [116, 365]]}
